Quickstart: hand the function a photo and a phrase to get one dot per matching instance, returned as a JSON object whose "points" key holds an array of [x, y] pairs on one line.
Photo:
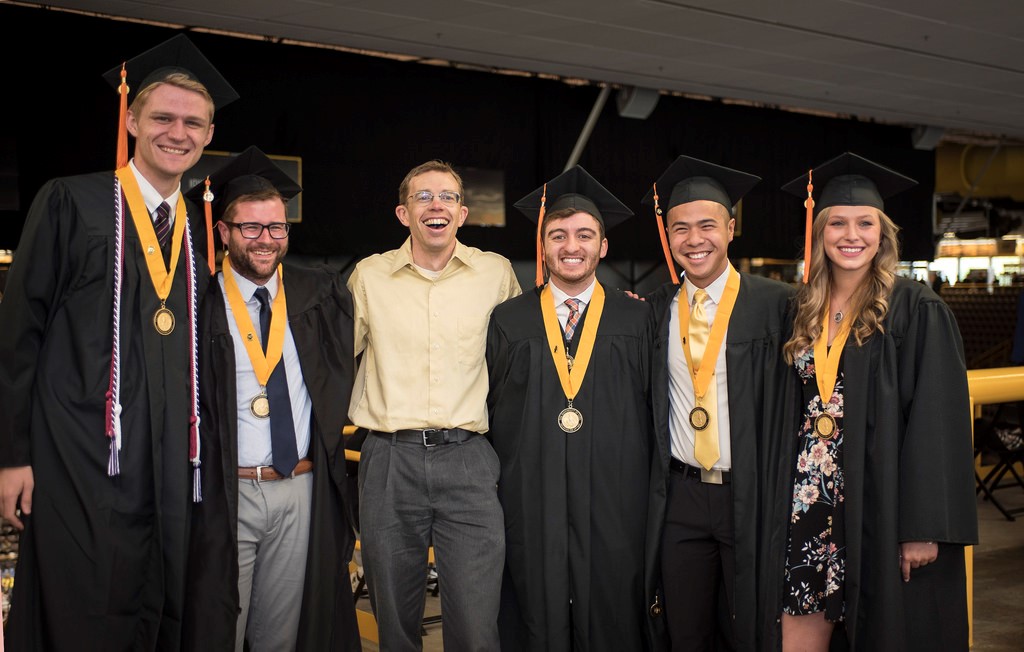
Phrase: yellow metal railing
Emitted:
{"points": [[987, 387]]}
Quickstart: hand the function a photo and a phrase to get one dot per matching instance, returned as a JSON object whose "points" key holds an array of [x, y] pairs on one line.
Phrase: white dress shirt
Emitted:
{"points": [[254, 447], [680, 381]]}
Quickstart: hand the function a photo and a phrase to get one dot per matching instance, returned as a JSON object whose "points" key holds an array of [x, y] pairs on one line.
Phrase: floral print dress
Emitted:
{"points": [[816, 555]]}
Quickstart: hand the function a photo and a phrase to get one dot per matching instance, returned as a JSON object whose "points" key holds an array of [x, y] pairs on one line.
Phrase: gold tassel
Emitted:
{"points": [[211, 257], [540, 247], [664, 239], [122, 127], [809, 204]]}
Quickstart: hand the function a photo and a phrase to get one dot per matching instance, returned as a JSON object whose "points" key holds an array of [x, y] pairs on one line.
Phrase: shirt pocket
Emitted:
{"points": [[472, 331]]}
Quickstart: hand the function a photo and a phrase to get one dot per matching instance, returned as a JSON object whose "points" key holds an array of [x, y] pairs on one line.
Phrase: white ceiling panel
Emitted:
{"points": [[945, 63]]}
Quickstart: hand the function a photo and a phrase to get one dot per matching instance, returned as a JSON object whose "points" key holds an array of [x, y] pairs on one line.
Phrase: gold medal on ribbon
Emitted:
{"points": [[260, 406], [262, 363], [571, 371], [699, 418], [161, 276], [163, 320], [826, 371], [702, 377], [825, 426], [570, 419]]}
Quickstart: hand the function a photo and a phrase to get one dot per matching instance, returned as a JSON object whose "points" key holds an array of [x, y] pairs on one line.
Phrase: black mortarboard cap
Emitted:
{"points": [[690, 179], [177, 54], [851, 180], [575, 188], [244, 174]]}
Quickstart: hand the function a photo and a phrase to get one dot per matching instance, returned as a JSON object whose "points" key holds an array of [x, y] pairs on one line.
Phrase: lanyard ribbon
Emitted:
{"points": [[161, 277], [826, 360], [262, 363], [702, 377], [586, 338]]}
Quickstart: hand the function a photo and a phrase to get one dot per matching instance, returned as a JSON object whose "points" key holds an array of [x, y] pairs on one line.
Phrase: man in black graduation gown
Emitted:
{"points": [[575, 446], [712, 514], [97, 378], [271, 541]]}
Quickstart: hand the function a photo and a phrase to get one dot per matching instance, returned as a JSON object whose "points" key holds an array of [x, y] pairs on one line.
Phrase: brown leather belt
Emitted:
{"points": [[267, 473]]}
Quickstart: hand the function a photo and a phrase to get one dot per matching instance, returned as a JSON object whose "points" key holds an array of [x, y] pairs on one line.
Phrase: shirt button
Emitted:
{"points": [[436, 346]]}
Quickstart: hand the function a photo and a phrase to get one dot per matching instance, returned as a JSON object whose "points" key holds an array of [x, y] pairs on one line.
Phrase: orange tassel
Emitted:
{"points": [[540, 248], [664, 239], [122, 126], [211, 258], [809, 204]]}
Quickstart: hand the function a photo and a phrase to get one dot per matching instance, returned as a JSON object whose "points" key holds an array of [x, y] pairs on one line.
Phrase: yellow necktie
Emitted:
{"points": [[705, 446]]}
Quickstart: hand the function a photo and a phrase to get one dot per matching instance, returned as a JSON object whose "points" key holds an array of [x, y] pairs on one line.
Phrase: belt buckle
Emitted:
{"points": [[711, 476], [259, 474], [427, 433]]}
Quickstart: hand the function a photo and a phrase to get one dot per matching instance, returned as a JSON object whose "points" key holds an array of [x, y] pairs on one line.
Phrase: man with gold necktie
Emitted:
{"points": [[98, 378], [569, 368], [718, 377], [271, 542]]}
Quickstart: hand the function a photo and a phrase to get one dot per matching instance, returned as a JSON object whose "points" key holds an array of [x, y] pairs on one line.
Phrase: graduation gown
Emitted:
{"points": [[320, 318], [575, 504], [909, 467], [101, 560], [758, 328]]}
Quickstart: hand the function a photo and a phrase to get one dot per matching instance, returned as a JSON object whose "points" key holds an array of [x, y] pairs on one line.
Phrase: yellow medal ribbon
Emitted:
{"points": [[826, 360], [702, 377], [262, 364], [586, 338], [159, 274]]}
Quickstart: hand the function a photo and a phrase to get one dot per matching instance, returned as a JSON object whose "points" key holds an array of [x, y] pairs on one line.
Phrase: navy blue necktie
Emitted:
{"points": [[282, 427]]}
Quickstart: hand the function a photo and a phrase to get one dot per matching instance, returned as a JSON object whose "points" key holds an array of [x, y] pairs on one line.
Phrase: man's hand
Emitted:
{"points": [[915, 554], [16, 482], [633, 295]]}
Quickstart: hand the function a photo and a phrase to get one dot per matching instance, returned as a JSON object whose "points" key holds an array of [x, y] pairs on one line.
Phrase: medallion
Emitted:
{"points": [[570, 419], [260, 406], [163, 320], [825, 426], [699, 418]]}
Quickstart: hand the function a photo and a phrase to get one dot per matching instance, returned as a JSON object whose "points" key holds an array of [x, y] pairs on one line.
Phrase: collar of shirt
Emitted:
{"points": [[715, 290], [583, 296], [151, 196], [403, 257], [562, 310], [248, 289]]}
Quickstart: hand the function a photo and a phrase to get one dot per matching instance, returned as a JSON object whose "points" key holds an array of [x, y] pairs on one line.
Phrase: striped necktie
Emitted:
{"points": [[574, 318]]}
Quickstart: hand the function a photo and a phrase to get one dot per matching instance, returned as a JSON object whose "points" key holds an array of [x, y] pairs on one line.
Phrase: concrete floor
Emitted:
{"points": [[998, 583]]}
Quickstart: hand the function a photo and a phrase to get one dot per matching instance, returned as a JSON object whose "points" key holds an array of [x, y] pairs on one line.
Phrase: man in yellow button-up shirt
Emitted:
{"points": [[425, 476]]}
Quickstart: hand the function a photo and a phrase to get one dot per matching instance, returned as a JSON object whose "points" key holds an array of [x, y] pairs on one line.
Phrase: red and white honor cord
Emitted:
{"points": [[113, 396]]}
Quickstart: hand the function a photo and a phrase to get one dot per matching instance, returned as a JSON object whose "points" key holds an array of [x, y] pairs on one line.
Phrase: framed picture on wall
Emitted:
{"points": [[485, 196], [212, 160]]}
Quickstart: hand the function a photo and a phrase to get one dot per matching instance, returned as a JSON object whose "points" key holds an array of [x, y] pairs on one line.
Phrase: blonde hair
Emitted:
{"points": [[177, 79], [869, 303]]}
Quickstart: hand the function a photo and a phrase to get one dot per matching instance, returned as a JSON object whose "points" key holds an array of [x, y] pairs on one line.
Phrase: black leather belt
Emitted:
{"points": [[714, 476], [430, 436]]}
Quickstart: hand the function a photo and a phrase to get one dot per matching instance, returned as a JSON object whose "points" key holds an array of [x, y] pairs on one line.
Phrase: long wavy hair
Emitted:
{"points": [[869, 303]]}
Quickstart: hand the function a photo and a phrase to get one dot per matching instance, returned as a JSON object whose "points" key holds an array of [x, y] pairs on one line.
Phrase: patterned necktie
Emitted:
{"points": [[162, 224], [282, 428], [705, 445], [574, 318]]}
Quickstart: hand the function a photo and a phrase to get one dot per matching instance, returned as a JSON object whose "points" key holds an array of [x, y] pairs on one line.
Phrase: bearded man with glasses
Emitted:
{"points": [[426, 475]]}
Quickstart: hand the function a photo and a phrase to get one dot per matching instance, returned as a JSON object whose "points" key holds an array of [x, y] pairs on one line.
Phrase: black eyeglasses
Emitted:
{"points": [[253, 230], [424, 197]]}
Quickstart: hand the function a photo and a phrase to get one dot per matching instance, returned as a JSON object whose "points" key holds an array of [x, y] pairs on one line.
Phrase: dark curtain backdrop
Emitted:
{"points": [[359, 123]]}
